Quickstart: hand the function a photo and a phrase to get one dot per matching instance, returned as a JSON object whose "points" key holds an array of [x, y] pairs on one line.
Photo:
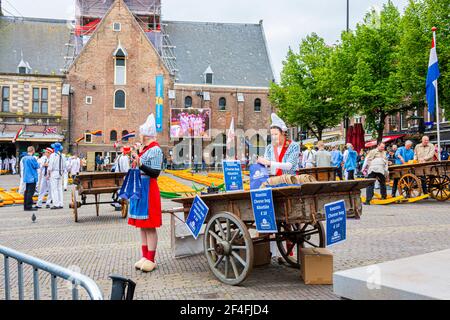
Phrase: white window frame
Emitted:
{"points": [[402, 127], [125, 71], [260, 106], [114, 26], [86, 134], [88, 100], [240, 97], [114, 99]]}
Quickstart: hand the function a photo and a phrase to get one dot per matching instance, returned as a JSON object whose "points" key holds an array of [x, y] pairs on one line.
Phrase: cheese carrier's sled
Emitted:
{"points": [[88, 183], [411, 177], [299, 212]]}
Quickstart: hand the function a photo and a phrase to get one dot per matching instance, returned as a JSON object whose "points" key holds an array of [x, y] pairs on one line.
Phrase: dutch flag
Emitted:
{"points": [[432, 76]]}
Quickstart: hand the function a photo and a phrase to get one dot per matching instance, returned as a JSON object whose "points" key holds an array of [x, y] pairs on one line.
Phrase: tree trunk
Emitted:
{"points": [[380, 128]]}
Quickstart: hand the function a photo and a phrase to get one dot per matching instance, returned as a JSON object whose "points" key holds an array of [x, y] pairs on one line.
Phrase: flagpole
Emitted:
{"points": [[438, 120]]}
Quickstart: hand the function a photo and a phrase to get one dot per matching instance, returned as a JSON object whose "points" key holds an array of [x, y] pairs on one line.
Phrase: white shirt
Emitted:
{"points": [[75, 165], [308, 157], [42, 160], [57, 163], [122, 163]]}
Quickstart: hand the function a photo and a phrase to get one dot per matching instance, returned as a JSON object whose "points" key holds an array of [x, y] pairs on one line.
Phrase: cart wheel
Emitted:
{"points": [[75, 204], [410, 186], [292, 237], [439, 187], [124, 209], [228, 248]]}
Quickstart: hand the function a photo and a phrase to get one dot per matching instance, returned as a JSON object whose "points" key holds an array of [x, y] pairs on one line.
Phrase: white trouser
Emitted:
{"points": [[22, 186], [13, 169], [56, 188], [66, 180], [44, 189], [309, 165]]}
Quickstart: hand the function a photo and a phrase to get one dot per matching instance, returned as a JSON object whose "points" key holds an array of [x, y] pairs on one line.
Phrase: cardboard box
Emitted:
{"points": [[316, 265], [261, 254]]}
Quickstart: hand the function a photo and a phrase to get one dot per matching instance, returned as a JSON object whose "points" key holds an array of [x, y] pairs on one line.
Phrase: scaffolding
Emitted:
{"points": [[89, 14]]}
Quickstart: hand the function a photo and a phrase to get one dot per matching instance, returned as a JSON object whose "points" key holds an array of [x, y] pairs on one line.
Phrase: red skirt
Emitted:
{"points": [[154, 219]]}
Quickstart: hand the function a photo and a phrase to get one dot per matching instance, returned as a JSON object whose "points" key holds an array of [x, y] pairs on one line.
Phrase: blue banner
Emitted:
{"points": [[159, 103], [336, 218], [197, 216], [258, 175], [262, 203], [232, 173]]}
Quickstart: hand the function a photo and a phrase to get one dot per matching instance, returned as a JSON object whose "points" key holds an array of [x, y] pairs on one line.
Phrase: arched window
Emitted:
{"points": [[257, 105], [222, 104], [124, 133], [120, 69], [188, 102], [119, 99], [113, 135]]}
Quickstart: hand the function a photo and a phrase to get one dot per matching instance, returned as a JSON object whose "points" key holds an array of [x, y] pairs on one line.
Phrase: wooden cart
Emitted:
{"points": [[299, 212], [95, 184], [320, 173], [434, 174]]}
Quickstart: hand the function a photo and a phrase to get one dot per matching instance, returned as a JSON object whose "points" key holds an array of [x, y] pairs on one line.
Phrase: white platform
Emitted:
{"points": [[422, 277]]}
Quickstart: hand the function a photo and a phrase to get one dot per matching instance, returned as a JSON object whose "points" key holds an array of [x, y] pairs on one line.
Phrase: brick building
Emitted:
{"points": [[120, 47], [31, 82]]}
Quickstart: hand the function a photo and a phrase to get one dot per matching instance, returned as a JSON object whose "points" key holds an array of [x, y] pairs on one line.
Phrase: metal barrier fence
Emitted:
{"points": [[55, 272]]}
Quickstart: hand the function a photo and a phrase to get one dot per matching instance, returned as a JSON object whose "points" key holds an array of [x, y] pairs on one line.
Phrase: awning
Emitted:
{"points": [[31, 137], [373, 143]]}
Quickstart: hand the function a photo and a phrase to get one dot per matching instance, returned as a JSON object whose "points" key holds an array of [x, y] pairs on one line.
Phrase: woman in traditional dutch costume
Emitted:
{"points": [[145, 211], [281, 156]]}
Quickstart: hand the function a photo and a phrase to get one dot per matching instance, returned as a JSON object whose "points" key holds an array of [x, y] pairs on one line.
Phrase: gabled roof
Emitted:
{"points": [[236, 52], [41, 40]]}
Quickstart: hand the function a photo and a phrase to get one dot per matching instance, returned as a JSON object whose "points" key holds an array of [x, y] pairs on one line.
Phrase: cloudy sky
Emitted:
{"points": [[286, 22]]}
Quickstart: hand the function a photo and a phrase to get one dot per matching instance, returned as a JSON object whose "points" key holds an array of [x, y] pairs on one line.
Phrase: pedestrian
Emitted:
{"points": [[350, 156], [403, 156], [13, 164], [97, 162], [444, 154], [75, 166], [44, 179], [30, 178], [322, 157], [22, 183], [145, 212], [424, 152], [67, 160], [122, 163], [56, 168], [337, 161], [308, 160], [377, 163]]}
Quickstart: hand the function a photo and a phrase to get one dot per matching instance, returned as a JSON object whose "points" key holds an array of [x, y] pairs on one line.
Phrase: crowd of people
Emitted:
{"points": [[371, 163]]}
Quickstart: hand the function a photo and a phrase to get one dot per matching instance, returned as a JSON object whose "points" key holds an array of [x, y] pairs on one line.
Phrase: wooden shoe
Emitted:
{"points": [[138, 265], [148, 266]]}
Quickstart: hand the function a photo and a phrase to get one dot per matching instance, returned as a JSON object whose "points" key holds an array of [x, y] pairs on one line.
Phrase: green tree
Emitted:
{"points": [[304, 95], [373, 80]]}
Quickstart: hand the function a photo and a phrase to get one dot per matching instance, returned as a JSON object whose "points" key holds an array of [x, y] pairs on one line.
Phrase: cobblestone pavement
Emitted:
{"points": [[100, 246]]}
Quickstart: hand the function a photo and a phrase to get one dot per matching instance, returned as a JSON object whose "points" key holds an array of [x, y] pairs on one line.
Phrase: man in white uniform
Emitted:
{"points": [[6, 164], [44, 179], [56, 167], [67, 160], [13, 164], [75, 166]]}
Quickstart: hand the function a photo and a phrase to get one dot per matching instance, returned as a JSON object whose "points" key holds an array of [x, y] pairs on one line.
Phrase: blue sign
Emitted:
{"points": [[258, 175], [197, 216], [336, 218], [232, 173], [262, 203], [159, 103]]}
